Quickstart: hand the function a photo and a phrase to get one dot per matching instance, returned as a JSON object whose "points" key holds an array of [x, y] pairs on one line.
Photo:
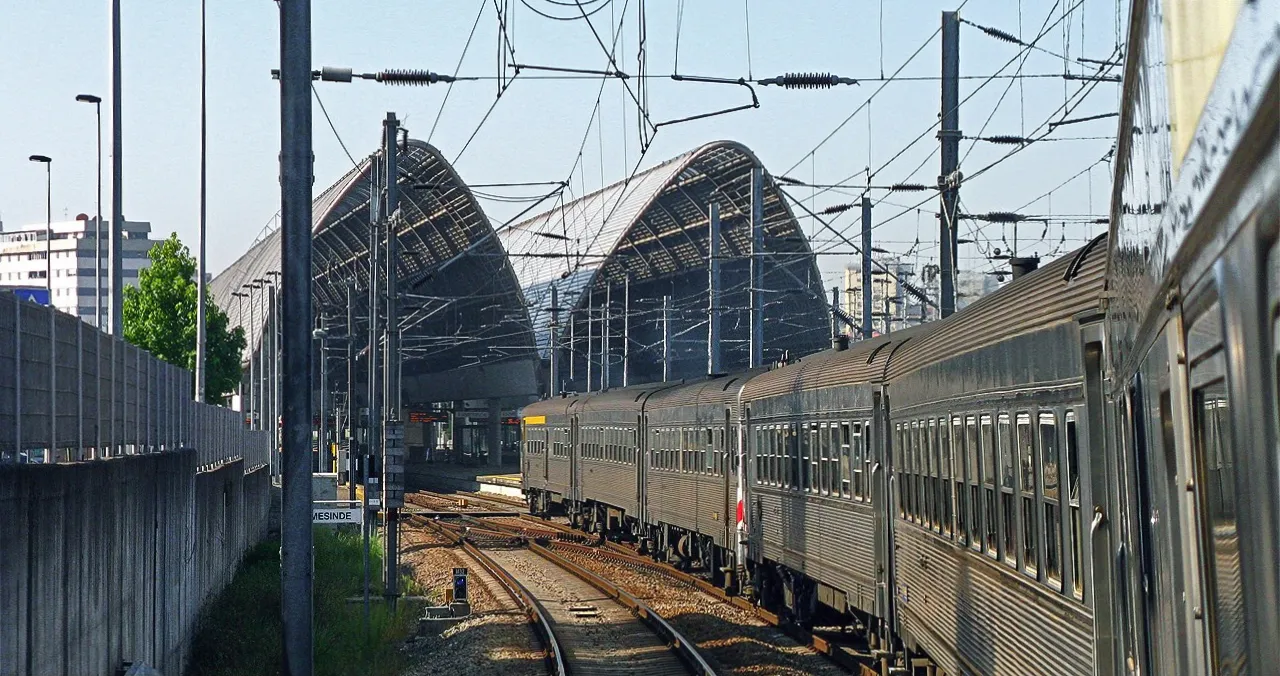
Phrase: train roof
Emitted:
{"points": [[624, 398], [552, 406], [714, 390], [861, 362], [1051, 295]]}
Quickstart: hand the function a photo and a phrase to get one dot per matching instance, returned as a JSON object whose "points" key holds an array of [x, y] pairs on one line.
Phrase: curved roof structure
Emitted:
{"points": [[460, 303], [655, 226]]}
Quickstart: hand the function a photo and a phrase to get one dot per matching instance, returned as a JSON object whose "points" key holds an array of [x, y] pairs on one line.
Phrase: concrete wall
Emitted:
{"points": [[107, 561]]}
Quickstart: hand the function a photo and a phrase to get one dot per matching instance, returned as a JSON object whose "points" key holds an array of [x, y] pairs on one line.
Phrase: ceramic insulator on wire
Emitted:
{"points": [[808, 81], [410, 77]]}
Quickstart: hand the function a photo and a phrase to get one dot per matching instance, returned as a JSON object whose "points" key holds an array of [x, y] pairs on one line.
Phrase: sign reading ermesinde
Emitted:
{"points": [[335, 515]]}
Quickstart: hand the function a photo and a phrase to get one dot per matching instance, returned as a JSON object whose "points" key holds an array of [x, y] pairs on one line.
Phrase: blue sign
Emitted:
{"points": [[34, 294]]}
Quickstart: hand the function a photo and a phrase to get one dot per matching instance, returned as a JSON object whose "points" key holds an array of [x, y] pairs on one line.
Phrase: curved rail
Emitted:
{"points": [[537, 614], [684, 648]]}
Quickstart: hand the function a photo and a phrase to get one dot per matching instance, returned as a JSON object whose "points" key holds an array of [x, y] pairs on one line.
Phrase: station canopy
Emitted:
{"points": [[654, 226], [460, 303]]}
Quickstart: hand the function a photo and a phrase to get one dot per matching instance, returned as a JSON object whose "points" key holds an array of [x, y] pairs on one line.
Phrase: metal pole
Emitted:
{"points": [[391, 363], [866, 267], [296, 177], [323, 462], [351, 392], [626, 331], [116, 277], [97, 233], [374, 419], [835, 308], [53, 343], [605, 380], [590, 335], [201, 346], [553, 387], [573, 350], [713, 293], [949, 135], [757, 265], [666, 338]]}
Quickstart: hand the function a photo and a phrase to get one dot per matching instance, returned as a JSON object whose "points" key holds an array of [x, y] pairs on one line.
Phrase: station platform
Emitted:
{"points": [[503, 481]]}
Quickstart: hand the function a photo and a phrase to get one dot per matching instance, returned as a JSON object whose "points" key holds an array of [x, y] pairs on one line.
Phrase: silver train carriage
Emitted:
{"points": [[1187, 545], [990, 441], [811, 431]]}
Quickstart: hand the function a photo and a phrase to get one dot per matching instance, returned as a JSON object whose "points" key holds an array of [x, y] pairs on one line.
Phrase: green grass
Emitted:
{"points": [[240, 631]]}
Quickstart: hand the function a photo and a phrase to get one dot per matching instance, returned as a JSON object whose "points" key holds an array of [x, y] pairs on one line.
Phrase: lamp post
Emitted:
{"points": [[97, 228], [48, 221], [240, 296], [255, 365], [48, 282], [322, 448]]}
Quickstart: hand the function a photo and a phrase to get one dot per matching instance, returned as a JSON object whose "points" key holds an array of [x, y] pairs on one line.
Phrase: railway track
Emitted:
{"points": [[589, 626]]}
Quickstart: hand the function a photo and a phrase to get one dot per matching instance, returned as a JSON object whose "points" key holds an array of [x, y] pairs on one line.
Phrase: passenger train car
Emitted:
{"points": [[1077, 474]]}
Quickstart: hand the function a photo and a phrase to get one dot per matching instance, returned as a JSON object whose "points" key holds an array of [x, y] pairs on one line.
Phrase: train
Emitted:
{"points": [[1076, 474]]}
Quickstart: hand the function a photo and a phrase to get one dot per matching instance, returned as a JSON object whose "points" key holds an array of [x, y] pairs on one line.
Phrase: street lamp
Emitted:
{"points": [[322, 448], [97, 230], [240, 296], [48, 221], [48, 282]]}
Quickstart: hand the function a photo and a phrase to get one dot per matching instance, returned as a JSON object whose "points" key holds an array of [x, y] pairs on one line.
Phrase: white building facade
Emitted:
{"points": [[22, 261], [893, 307]]}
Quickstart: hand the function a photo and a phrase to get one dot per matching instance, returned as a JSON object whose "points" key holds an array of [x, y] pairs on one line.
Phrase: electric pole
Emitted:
{"points": [[949, 178], [866, 267], [713, 292], [554, 329], [757, 266], [296, 177], [393, 433]]}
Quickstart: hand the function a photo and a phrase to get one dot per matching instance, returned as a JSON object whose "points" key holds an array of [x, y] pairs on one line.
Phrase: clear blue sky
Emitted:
{"points": [[56, 49]]}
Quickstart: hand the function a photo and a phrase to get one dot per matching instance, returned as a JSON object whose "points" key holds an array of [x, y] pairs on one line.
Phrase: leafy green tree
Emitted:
{"points": [[160, 317]]}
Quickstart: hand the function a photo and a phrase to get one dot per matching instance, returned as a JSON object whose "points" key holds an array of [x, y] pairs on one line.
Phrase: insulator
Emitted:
{"points": [[1000, 217], [837, 208], [788, 180], [908, 187], [410, 77], [1000, 35], [808, 81], [1010, 140]]}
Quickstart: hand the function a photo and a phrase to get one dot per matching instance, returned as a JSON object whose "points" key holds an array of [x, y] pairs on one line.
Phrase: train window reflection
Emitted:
{"points": [[987, 445], [852, 453], [1026, 461], [1073, 497], [1212, 414], [1004, 444], [1049, 481]]}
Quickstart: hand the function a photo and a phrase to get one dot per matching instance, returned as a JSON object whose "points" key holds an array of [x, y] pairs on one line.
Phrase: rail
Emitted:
{"points": [[76, 394], [685, 649], [538, 615]]}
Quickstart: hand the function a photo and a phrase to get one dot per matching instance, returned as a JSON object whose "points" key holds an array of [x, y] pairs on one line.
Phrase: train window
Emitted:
{"points": [[1052, 501], [806, 478], [956, 449], [1211, 410], [929, 430], [1004, 446], [851, 477], [985, 462], [758, 437], [1073, 501], [831, 439], [1026, 461], [945, 466], [899, 464], [821, 457], [865, 444], [914, 465]]}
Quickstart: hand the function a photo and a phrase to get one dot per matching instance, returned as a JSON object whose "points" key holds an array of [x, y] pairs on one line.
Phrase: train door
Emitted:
{"points": [[575, 461], [641, 444], [1098, 469], [882, 500], [727, 459]]}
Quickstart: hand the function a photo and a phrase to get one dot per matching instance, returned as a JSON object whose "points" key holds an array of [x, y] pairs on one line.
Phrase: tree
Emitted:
{"points": [[160, 317]]}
